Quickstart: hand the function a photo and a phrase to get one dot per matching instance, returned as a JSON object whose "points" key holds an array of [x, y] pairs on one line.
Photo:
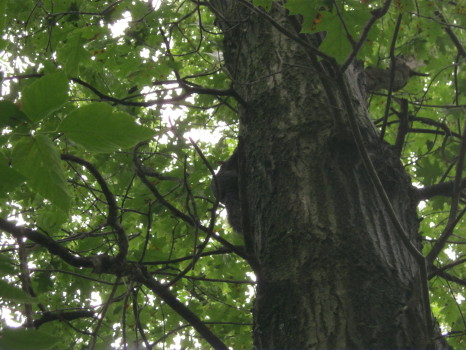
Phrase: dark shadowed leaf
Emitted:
{"points": [[38, 160], [10, 114], [27, 339]]}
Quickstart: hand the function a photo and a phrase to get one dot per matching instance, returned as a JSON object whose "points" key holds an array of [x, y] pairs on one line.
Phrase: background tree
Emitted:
{"points": [[109, 142]]}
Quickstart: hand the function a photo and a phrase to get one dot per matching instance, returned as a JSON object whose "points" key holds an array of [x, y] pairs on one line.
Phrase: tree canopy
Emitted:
{"points": [[115, 116]]}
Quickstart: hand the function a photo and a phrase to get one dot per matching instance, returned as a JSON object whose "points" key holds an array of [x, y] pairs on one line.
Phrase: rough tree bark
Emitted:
{"points": [[332, 270]]}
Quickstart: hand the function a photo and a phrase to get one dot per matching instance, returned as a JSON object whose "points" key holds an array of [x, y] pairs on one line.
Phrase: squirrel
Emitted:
{"points": [[378, 78], [225, 188]]}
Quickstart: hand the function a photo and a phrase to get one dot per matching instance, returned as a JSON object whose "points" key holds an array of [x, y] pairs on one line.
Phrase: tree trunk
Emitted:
{"points": [[332, 270]]}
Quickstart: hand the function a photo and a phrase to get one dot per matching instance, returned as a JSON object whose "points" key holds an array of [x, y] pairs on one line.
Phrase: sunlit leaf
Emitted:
{"points": [[97, 128], [45, 96], [73, 53]]}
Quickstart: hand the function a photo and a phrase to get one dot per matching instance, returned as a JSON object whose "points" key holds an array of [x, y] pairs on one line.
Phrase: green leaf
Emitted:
{"points": [[72, 53], [266, 4], [303, 7], [98, 129], [45, 96], [13, 339], [51, 218], [38, 160], [405, 6], [43, 283], [9, 178], [10, 114], [428, 169], [9, 292], [309, 10], [336, 43], [7, 265], [2, 15], [139, 9]]}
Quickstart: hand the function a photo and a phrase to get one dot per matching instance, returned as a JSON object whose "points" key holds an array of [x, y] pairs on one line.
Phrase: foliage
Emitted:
{"points": [[109, 140]]}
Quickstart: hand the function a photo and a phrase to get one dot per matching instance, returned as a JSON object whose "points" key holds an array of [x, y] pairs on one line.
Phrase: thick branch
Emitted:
{"points": [[62, 316], [47, 242], [453, 37], [439, 270], [402, 128], [144, 277], [99, 263], [448, 277], [442, 189]]}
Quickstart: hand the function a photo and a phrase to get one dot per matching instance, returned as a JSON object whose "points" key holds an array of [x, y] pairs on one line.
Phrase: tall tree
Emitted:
{"points": [[342, 253], [110, 229]]}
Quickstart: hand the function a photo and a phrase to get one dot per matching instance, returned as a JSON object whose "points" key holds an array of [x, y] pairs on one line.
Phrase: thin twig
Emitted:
{"points": [[376, 14], [343, 23], [393, 68], [175, 211], [103, 312], [112, 218]]}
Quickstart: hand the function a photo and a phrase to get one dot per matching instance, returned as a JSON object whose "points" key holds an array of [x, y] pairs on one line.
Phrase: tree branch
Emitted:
{"points": [[175, 211], [438, 270], [393, 69], [136, 314], [376, 14], [220, 251], [47, 242], [188, 87], [62, 316], [99, 263], [112, 218], [144, 277], [440, 244], [343, 23], [442, 189], [403, 127], [107, 304], [25, 278], [453, 37], [448, 277], [453, 217]]}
